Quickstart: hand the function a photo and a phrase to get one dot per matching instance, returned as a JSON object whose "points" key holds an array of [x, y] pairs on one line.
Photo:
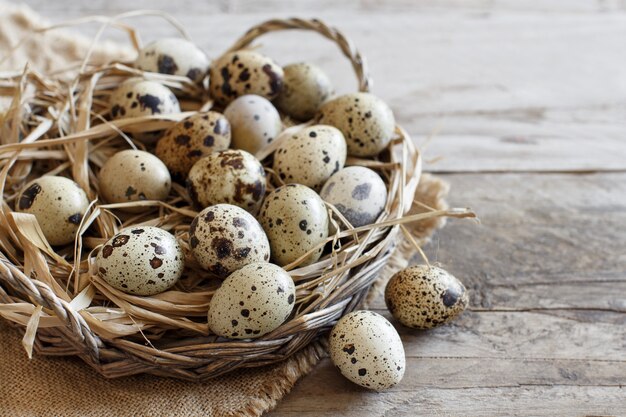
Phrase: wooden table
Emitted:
{"points": [[525, 104]]}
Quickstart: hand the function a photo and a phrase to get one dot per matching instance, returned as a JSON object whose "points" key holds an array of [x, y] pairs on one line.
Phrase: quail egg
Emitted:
{"points": [[296, 221], [254, 121], [132, 175], [310, 156], [252, 301], [231, 176], [365, 120], [192, 138], [57, 203], [141, 260], [174, 56], [244, 72], [137, 97], [425, 296], [224, 238], [358, 193], [367, 350], [305, 88]]}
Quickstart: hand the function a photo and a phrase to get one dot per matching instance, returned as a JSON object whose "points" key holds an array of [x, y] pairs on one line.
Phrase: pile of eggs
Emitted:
{"points": [[250, 227]]}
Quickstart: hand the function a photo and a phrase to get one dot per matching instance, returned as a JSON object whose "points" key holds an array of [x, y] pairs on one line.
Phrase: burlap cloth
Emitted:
{"points": [[61, 386]]}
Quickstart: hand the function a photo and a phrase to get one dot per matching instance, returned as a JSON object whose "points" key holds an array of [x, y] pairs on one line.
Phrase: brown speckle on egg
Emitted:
{"points": [[28, 196]]}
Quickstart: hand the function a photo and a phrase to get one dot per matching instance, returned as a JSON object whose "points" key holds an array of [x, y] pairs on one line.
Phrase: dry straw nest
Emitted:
{"points": [[59, 125]]}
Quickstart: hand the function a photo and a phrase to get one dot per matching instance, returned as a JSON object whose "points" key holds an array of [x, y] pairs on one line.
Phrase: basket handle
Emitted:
{"points": [[347, 47]]}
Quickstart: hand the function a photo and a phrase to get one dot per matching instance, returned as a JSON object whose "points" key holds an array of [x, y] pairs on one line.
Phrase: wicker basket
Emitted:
{"points": [[58, 126]]}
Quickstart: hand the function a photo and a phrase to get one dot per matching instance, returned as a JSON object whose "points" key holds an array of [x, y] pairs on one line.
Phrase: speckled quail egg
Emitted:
{"points": [[295, 220], [305, 88], [174, 56], [231, 176], [255, 122], [138, 97], [310, 156], [252, 301], [192, 138], [57, 203], [367, 350], [365, 120], [132, 175], [358, 193], [244, 72], [425, 296], [141, 260], [224, 238]]}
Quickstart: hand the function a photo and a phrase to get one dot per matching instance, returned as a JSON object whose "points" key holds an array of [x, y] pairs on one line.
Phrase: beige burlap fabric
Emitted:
{"points": [[48, 386]]}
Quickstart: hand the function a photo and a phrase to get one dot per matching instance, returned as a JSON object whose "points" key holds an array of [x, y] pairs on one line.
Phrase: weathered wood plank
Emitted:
{"points": [[445, 153], [601, 336], [460, 373], [536, 229], [499, 89], [536, 401]]}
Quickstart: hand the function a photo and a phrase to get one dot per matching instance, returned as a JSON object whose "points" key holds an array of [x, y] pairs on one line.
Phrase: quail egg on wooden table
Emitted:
{"points": [[252, 301], [367, 350], [57, 203], [295, 220], [231, 176], [358, 193], [255, 122], [365, 120], [310, 156], [141, 260], [244, 72], [224, 238], [137, 97], [305, 88], [192, 138], [133, 175], [175, 56], [423, 297]]}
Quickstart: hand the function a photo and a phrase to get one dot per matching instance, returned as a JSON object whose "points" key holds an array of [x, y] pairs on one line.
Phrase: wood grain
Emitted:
{"points": [[525, 103]]}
